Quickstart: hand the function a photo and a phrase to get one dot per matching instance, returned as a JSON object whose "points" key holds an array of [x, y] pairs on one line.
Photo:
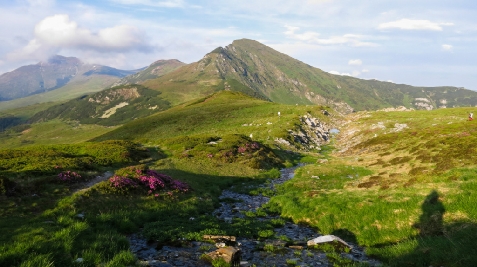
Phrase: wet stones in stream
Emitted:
{"points": [[290, 249]]}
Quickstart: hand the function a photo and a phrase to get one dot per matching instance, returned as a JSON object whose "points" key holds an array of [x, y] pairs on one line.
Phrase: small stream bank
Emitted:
{"points": [[251, 255]]}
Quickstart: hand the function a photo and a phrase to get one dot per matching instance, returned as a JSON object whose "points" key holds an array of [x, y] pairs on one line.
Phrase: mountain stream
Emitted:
{"points": [[295, 255]]}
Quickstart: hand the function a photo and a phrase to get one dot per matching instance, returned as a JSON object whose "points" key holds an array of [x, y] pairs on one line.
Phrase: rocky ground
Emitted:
{"points": [[251, 254]]}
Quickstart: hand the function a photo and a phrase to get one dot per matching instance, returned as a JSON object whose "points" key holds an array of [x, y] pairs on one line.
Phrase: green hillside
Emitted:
{"points": [[198, 143], [400, 184], [112, 106], [269, 74], [415, 207], [156, 69], [153, 158]]}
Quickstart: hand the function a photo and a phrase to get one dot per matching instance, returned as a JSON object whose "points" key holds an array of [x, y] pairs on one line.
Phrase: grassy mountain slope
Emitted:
{"points": [[41, 77], [400, 183], [189, 82], [112, 106], [77, 87], [154, 70], [222, 113], [59, 79], [268, 74], [286, 80], [207, 157]]}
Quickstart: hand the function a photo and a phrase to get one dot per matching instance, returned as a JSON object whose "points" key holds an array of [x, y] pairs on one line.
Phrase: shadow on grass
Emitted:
{"points": [[437, 244]]}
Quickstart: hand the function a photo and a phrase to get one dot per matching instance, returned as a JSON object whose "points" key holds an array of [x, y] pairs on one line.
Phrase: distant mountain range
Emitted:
{"points": [[53, 74], [245, 66], [155, 70], [260, 71]]}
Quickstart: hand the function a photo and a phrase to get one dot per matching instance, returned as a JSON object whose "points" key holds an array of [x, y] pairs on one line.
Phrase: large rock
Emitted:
{"points": [[230, 255]]}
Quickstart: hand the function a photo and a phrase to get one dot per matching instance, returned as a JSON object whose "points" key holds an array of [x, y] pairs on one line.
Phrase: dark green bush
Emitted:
{"points": [[7, 187]]}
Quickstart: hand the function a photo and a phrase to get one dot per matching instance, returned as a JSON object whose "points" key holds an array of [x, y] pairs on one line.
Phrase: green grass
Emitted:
{"points": [[97, 108], [406, 196], [46, 228], [220, 114], [47, 214], [50, 132]]}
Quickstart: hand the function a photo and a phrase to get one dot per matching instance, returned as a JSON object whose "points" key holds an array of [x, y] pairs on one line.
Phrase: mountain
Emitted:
{"points": [[251, 67], [56, 73], [254, 69], [153, 71]]}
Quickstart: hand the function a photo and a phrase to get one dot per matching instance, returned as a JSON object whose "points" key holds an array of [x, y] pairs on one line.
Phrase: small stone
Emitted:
{"points": [[220, 245], [326, 239], [79, 260]]}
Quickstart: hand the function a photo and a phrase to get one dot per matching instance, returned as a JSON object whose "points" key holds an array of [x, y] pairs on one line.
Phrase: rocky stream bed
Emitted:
{"points": [[249, 250]]}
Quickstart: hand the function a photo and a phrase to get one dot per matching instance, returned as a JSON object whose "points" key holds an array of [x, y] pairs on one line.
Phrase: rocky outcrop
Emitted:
{"points": [[311, 134], [423, 103]]}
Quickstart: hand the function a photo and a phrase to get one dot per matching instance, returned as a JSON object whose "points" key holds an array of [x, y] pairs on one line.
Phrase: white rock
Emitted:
{"points": [[326, 239]]}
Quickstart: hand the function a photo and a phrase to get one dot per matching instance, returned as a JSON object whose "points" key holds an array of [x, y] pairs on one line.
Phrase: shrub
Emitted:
{"points": [[150, 180], [122, 182], [69, 176], [7, 187]]}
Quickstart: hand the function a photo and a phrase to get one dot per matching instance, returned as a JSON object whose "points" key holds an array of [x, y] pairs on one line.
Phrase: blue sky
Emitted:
{"points": [[419, 42]]}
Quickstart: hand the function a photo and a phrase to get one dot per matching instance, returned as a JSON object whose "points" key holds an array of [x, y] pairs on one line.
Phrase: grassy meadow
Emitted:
{"points": [[400, 184], [407, 195], [47, 219]]}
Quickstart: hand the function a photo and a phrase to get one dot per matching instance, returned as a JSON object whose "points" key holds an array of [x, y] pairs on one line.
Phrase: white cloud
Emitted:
{"points": [[58, 32], [447, 47], [364, 70], [152, 3], [313, 38], [355, 62], [411, 24], [353, 74]]}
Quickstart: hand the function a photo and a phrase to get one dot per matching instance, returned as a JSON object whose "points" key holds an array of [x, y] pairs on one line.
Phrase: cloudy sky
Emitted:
{"points": [[417, 42]]}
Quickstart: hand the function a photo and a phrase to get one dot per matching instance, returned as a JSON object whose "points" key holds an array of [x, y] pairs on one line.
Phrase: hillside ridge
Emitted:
{"points": [[57, 72]]}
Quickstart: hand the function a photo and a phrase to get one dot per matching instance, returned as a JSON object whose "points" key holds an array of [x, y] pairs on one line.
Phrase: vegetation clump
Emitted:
{"points": [[139, 177], [7, 187], [49, 159]]}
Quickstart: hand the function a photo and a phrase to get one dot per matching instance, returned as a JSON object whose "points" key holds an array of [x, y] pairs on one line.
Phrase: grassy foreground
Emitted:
{"points": [[403, 185], [47, 219]]}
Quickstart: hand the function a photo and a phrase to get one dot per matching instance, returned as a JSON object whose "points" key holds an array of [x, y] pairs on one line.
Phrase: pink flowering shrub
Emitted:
{"points": [[248, 147], [121, 182], [69, 176], [149, 180], [152, 182], [179, 186]]}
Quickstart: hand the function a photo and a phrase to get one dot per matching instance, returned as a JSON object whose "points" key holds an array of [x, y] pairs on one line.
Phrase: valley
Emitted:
{"points": [[250, 143]]}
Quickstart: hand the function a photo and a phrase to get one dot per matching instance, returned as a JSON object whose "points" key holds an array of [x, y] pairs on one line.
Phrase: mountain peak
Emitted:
{"points": [[61, 60]]}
